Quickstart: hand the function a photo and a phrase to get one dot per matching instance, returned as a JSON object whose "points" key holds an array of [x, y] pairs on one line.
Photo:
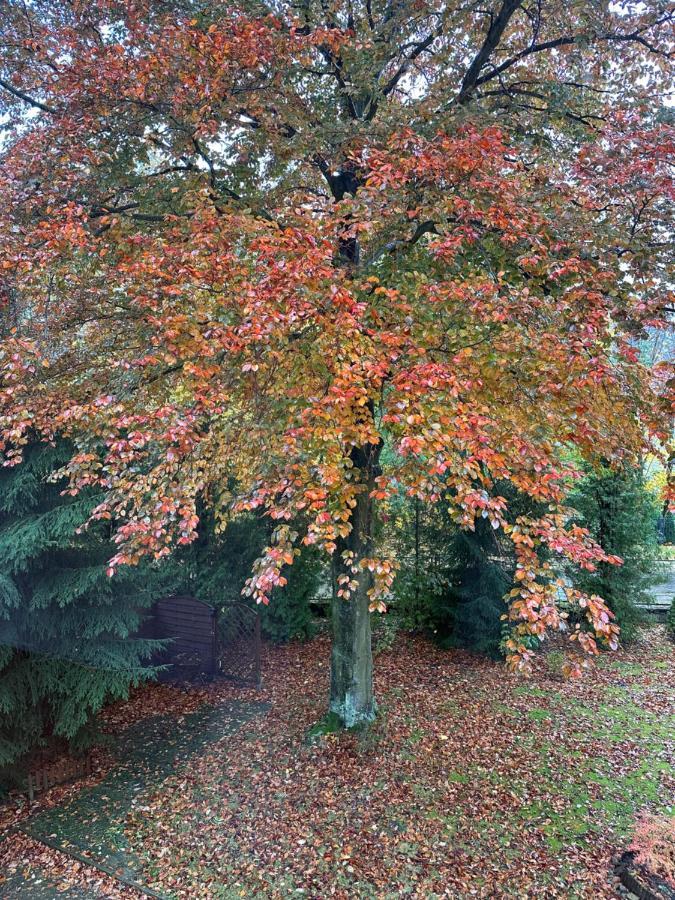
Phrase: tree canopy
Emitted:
{"points": [[246, 245]]}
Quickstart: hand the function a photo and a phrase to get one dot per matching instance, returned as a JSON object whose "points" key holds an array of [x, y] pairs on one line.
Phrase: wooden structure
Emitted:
{"points": [[662, 593], [203, 642], [189, 627], [239, 643], [43, 777]]}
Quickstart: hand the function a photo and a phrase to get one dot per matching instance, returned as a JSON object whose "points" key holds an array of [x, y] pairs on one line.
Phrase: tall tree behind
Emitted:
{"points": [[454, 581], [622, 515], [457, 590], [65, 626], [470, 614]]}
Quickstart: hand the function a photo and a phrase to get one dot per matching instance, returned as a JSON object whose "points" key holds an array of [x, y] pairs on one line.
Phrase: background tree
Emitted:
{"points": [[621, 514], [66, 644], [470, 615], [419, 537], [453, 581], [668, 528], [257, 241]]}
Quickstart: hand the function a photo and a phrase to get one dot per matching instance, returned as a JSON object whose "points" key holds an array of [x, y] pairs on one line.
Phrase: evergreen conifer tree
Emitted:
{"points": [[454, 581], [66, 644], [469, 613], [621, 515]]}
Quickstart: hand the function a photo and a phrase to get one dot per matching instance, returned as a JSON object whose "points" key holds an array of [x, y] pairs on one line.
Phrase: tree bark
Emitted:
{"points": [[351, 683]]}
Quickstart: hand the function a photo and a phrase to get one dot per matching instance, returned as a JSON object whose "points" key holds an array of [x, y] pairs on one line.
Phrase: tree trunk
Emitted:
{"points": [[351, 679], [351, 683]]}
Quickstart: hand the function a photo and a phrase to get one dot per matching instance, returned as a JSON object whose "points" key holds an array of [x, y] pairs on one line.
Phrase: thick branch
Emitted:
{"points": [[26, 99], [423, 228], [566, 40], [534, 48], [492, 38]]}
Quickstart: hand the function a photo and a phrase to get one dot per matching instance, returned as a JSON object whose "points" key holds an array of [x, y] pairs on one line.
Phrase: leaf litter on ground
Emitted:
{"points": [[473, 782]]}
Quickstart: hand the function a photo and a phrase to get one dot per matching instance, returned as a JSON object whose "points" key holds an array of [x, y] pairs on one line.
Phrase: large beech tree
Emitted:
{"points": [[247, 245]]}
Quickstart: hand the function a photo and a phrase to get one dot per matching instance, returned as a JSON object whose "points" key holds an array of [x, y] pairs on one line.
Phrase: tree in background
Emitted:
{"points": [[66, 644], [622, 515], [453, 581], [470, 614], [666, 527], [288, 615], [418, 536], [253, 243]]}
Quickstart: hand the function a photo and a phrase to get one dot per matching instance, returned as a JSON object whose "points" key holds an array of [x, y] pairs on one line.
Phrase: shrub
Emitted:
{"points": [[289, 615]]}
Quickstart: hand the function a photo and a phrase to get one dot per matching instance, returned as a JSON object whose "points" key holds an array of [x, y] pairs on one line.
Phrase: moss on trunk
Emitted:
{"points": [[351, 687]]}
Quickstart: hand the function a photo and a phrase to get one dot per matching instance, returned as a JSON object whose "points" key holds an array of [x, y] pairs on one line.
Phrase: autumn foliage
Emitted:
{"points": [[654, 846], [242, 251]]}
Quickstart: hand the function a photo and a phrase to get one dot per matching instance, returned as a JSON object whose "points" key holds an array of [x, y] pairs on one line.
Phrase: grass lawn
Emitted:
{"points": [[472, 783]]}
